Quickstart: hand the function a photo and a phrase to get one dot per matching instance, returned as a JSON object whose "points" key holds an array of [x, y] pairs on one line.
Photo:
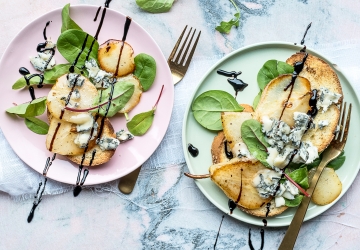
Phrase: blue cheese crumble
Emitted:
{"points": [[108, 143], [326, 98], [75, 80], [124, 136], [241, 150], [323, 123], [100, 78], [39, 62], [266, 182]]}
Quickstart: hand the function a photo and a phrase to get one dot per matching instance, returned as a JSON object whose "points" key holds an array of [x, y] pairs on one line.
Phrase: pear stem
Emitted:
{"points": [[196, 176]]}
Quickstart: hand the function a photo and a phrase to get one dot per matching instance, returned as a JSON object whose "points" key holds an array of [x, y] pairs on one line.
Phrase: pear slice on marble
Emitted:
{"points": [[274, 98]]}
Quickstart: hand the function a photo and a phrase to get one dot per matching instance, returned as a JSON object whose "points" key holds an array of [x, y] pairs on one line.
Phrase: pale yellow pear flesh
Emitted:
{"points": [[235, 177], [60, 90], [274, 98], [328, 188], [108, 56]]}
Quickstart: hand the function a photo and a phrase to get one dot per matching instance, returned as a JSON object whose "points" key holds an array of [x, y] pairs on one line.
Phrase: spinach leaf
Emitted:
{"points": [[337, 162], [208, 106], [36, 125], [270, 70], [59, 70], [145, 70], [255, 140], [125, 89], [300, 176], [225, 27], [295, 202], [67, 22], [155, 6], [70, 43], [21, 83], [30, 109], [140, 123], [257, 99]]}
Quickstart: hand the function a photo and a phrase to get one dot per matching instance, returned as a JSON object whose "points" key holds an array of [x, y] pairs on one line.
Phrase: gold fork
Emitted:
{"points": [[333, 150], [178, 70]]}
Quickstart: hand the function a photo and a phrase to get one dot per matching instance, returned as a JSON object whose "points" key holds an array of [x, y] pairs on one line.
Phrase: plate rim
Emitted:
{"points": [[171, 92], [187, 111]]}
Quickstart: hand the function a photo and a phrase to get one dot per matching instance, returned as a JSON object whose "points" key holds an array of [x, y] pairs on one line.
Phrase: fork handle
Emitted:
{"points": [[290, 237]]}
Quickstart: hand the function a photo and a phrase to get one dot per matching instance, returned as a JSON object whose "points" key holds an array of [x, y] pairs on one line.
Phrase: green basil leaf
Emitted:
{"points": [[70, 43], [124, 88], [59, 70], [29, 109], [155, 6], [338, 161], [36, 125], [270, 70], [208, 106], [225, 27], [295, 202], [257, 99], [67, 22], [141, 123], [255, 140], [21, 83], [300, 176], [145, 70]]}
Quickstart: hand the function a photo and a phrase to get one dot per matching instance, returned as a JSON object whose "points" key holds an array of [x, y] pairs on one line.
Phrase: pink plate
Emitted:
{"points": [[31, 148]]}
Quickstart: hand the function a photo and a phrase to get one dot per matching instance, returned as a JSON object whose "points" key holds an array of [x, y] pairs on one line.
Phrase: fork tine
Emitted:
{"points": [[192, 51], [342, 122], [339, 122], [187, 48], [346, 129], [171, 57], [182, 47]]}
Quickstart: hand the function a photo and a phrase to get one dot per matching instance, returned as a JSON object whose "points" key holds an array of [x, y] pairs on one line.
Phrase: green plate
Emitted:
{"points": [[249, 60]]}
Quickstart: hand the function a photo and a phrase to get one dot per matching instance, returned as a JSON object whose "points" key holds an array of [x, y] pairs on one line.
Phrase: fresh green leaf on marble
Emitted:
{"points": [[155, 6], [224, 26]]}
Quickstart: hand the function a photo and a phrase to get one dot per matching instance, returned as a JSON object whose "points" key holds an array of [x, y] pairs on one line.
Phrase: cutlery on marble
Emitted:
{"points": [[178, 70], [331, 152]]}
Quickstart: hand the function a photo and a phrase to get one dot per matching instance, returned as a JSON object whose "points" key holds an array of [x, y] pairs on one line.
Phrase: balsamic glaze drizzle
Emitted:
{"points": [[228, 153], [97, 13], [312, 103], [236, 83], [38, 196], [303, 39], [24, 71], [193, 150], [44, 32], [217, 236], [232, 204], [262, 233], [107, 2]]}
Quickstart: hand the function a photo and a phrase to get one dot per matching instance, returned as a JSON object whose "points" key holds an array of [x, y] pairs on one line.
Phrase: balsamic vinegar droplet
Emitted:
{"points": [[24, 71], [232, 205], [193, 150], [228, 153], [77, 190]]}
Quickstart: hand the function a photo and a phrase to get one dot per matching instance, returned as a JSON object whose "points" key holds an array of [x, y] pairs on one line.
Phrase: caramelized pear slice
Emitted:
{"points": [[135, 98], [60, 91], [235, 178], [108, 57], [101, 156], [63, 142], [274, 97]]}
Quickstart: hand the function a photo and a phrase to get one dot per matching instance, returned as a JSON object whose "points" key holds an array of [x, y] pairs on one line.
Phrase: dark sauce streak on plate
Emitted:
{"points": [[218, 233], [126, 29], [97, 13], [44, 32], [24, 71], [236, 83], [312, 103], [193, 150], [101, 23]]}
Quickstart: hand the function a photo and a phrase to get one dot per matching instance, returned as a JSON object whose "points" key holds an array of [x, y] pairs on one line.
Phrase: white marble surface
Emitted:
{"points": [[151, 217]]}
